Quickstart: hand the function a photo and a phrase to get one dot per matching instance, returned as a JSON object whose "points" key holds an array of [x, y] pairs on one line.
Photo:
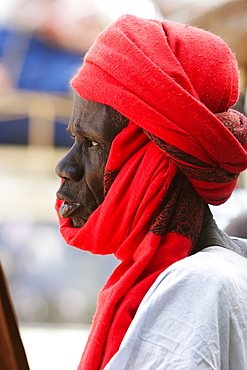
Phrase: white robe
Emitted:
{"points": [[193, 317]]}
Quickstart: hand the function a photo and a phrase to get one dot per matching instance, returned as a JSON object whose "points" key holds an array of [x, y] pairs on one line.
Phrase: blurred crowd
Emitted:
{"points": [[58, 29]]}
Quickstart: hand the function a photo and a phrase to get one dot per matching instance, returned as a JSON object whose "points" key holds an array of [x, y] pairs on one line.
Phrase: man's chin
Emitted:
{"points": [[77, 222]]}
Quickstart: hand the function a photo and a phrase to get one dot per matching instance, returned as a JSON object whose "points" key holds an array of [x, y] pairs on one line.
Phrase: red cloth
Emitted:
{"points": [[168, 79]]}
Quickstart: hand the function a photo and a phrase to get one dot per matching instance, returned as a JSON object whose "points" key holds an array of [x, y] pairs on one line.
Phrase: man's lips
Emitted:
{"points": [[68, 208]]}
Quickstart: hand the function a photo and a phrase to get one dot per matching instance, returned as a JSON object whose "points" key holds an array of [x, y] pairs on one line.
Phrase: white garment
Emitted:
{"points": [[193, 317]]}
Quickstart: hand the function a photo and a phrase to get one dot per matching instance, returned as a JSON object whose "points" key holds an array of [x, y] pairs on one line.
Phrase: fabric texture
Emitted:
{"points": [[212, 284], [175, 83]]}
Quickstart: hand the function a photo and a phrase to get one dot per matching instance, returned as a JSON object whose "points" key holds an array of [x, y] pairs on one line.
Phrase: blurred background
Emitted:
{"points": [[42, 44]]}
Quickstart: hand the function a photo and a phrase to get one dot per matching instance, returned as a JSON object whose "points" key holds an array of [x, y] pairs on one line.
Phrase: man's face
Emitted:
{"points": [[93, 127]]}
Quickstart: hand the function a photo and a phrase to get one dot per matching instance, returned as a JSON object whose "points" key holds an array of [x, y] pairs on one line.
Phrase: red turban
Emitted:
{"points": [[183, 148]]}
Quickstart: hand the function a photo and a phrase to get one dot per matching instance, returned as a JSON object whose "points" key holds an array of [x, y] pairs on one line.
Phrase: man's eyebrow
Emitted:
{"points": [[87, 133], [74, 126], [75, 129], [68, 130]]}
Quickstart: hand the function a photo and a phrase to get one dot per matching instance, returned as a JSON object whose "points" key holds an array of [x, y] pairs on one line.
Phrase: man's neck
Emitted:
{"points": [[211, 235]]}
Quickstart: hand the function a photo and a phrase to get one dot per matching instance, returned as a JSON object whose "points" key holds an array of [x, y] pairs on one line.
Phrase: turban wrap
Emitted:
{"points": [[182, 149]]}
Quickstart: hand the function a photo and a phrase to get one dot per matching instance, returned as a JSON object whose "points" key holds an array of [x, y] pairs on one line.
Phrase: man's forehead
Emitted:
{"points": [[85, 105], [87, 114], [101, 118], [89, 106]]}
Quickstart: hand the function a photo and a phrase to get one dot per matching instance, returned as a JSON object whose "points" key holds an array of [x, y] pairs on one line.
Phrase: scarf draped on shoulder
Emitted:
{"points": [[183, 148]]}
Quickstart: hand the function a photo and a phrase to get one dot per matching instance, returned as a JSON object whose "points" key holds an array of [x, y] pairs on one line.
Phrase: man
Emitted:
{"points": [[155, 142]]}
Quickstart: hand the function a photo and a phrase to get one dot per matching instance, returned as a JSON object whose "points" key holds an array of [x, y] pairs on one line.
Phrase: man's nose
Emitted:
{"points": [[69, 169]]}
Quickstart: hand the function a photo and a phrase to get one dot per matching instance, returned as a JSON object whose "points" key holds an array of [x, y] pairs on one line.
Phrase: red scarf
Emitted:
{"points": [[169, 80]]}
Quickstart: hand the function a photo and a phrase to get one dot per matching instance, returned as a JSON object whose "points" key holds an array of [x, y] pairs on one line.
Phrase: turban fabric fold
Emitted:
{"points": [[182, 149]]}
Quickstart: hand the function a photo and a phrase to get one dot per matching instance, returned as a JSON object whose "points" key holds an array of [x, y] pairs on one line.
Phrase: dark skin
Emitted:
{"points": [[93, 127]]}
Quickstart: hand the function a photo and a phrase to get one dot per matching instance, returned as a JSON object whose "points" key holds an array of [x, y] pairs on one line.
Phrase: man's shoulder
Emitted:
{"points": [[240, 245], [213, 266], [215, 258], [185, 311]]}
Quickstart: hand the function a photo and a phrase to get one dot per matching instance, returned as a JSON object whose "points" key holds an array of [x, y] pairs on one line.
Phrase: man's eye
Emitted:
{"points": [[93, 143]]}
